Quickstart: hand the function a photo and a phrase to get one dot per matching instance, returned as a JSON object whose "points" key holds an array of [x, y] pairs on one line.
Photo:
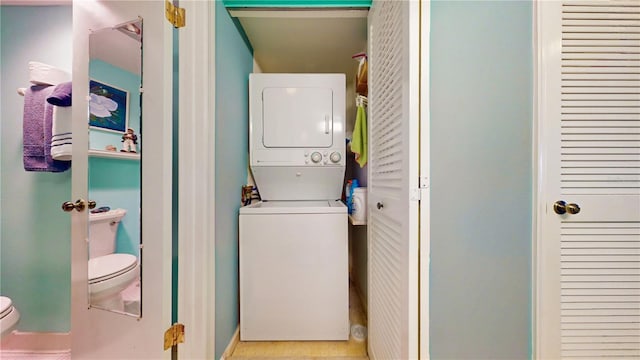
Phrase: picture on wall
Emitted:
{"points": [[108, 107]]}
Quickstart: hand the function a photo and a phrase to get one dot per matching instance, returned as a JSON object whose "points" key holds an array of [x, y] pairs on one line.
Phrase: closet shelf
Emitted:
{"points": [[356, 222], [114, 155]]}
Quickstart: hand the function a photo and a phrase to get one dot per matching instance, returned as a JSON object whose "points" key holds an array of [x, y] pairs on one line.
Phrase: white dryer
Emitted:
{"points": [[294, 280]]}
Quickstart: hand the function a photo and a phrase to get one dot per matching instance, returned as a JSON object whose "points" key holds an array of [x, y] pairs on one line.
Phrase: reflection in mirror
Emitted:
{"points": [[115, 148]]}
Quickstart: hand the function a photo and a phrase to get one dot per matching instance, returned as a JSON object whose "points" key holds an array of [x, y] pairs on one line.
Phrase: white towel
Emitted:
{"points": [[61, 133], [43, 74]]}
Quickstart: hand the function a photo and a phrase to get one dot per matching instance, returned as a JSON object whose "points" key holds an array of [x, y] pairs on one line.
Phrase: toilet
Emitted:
{"points": [[109, 272], [9, 316]]}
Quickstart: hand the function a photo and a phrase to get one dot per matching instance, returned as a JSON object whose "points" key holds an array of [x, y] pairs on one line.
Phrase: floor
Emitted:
{"points": [[266, 350], [334, 350], [10, 355]]}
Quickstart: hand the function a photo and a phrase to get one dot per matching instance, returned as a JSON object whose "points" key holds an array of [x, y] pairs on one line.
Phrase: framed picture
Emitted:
{"points": [[108, 107]]}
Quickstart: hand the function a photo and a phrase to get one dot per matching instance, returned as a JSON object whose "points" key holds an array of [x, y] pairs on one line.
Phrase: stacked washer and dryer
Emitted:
{"points": [[294, 282]]}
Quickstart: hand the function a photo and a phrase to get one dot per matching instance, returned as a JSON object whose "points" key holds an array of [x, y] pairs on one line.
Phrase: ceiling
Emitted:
{"points": [[306, 41], [116, 48]]}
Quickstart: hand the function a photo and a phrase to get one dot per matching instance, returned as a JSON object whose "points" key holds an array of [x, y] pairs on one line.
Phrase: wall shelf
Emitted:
{"points": [[356, 222], [114, 155]]}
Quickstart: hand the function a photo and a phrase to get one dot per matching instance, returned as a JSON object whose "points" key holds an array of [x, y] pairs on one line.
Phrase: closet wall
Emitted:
{"points": [[34, 235], [234, 63]]}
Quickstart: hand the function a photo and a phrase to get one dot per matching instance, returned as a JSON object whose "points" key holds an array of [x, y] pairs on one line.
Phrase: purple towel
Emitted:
{"points": [[33, 131], [61, 95]]}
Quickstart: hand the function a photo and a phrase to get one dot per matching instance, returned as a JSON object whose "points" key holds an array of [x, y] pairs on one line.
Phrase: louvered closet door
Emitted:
{"points": [[590, 261], [393, 172]]}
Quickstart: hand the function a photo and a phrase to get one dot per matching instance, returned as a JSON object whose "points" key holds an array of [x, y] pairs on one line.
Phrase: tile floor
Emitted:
{"points": [[334, 350]]}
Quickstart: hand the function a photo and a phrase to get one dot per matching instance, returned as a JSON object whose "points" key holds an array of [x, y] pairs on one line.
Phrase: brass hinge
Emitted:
{"points": [[175, 15], [173, 336]]}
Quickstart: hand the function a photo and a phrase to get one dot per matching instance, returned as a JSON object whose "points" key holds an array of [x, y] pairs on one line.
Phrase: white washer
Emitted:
{"points": [[294, 276], [294, 271]]}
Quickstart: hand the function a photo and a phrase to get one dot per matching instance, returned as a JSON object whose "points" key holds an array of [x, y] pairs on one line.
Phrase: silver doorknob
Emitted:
{"points": [[560, 207]]}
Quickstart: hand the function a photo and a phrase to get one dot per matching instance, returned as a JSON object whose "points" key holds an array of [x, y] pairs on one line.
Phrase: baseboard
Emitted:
{"points": [[37, 342], [235, 339]]}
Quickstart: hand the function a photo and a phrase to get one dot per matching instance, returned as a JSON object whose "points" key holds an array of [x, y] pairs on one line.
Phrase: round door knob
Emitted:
{"points": [[316, 157], [379, 205], [68, 206], [79, 205], [560, 207], [91, 204], [335, 157], [573, 209]]}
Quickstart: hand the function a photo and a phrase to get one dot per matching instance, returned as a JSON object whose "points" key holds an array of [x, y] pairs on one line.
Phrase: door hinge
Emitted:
{"points": [[423, 184], [175, 15], [173, 336]]}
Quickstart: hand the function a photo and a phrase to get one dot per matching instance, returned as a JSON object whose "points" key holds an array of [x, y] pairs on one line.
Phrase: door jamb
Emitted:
{"points": [[196, 247]]}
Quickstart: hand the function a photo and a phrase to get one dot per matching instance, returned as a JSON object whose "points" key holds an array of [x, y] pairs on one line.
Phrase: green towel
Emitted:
{"points": [[359, 141]]}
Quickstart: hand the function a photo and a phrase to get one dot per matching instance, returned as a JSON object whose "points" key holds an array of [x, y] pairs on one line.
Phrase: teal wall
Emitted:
{"points": [[233, 65], [296, 3], [35, 263], [481, 179], [116, 183], [112, 182]]}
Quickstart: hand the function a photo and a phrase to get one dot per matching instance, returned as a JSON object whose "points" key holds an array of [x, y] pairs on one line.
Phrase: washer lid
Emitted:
{"points": [[5, 306], [108, 266], [296, 207]]}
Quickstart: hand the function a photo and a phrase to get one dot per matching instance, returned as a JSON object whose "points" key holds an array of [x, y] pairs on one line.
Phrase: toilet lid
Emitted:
{"points": [[108, 266], [5, 306]]}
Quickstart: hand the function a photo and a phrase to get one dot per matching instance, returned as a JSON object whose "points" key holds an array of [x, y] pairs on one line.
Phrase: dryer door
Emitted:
{"points": [[297, 117]]}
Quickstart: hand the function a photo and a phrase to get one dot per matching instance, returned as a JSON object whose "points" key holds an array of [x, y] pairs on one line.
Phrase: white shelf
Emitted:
{"points": [[114, 155], [356, 222]]}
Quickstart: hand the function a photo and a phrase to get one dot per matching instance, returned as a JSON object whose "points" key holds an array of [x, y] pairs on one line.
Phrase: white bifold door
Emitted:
{"points": [[393, 179], [588, 292]]}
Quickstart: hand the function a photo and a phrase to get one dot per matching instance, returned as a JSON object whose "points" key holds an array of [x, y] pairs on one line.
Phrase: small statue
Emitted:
{"points": [[129, 141]]}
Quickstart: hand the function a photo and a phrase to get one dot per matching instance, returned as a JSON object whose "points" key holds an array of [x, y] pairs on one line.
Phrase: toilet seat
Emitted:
{"points": [[9, 315], [109, 266], [6, 305], [110, 274]]}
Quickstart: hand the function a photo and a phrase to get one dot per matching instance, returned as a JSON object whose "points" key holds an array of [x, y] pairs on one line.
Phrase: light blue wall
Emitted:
{"points": [[233, 65], [112, 182], [481, 185], [35, 233], [116, 183]]}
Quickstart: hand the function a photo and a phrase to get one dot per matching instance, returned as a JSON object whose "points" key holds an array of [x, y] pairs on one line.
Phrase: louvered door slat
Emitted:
{"points": [[599, 168], [392, 172]]}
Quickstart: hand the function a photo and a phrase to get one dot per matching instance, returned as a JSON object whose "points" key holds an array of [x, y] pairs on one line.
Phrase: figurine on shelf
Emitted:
{"points": [[129, 141]]}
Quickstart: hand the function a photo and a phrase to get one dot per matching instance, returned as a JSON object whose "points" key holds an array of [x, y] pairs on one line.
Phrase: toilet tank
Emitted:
{"points": [[103, 228]]}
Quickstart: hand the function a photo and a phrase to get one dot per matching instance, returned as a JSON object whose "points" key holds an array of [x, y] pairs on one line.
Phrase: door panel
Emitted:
{"points": [[97, 334], [393, 176], [589, 262]]}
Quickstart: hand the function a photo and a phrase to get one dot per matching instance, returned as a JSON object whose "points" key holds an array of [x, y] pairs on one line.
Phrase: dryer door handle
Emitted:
{"points": [[327, 120]]}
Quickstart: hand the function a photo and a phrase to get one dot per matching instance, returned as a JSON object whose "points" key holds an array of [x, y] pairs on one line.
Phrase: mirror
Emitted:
{"points": [[115, 149]]}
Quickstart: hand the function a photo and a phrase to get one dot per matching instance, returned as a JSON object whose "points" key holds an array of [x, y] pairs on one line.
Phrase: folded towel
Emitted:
{"points": [[43, 74], [61, 133], [61, 95], [33, 130], [52, 164], [359, 142]]}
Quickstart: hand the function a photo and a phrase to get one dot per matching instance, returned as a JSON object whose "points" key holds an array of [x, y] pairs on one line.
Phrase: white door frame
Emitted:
{"points": [[425, 176], [196, 188], [538, 179]]}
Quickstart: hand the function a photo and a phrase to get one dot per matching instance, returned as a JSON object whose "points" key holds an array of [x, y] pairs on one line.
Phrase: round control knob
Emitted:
{"points": [[316, 157], [335, 157]]}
